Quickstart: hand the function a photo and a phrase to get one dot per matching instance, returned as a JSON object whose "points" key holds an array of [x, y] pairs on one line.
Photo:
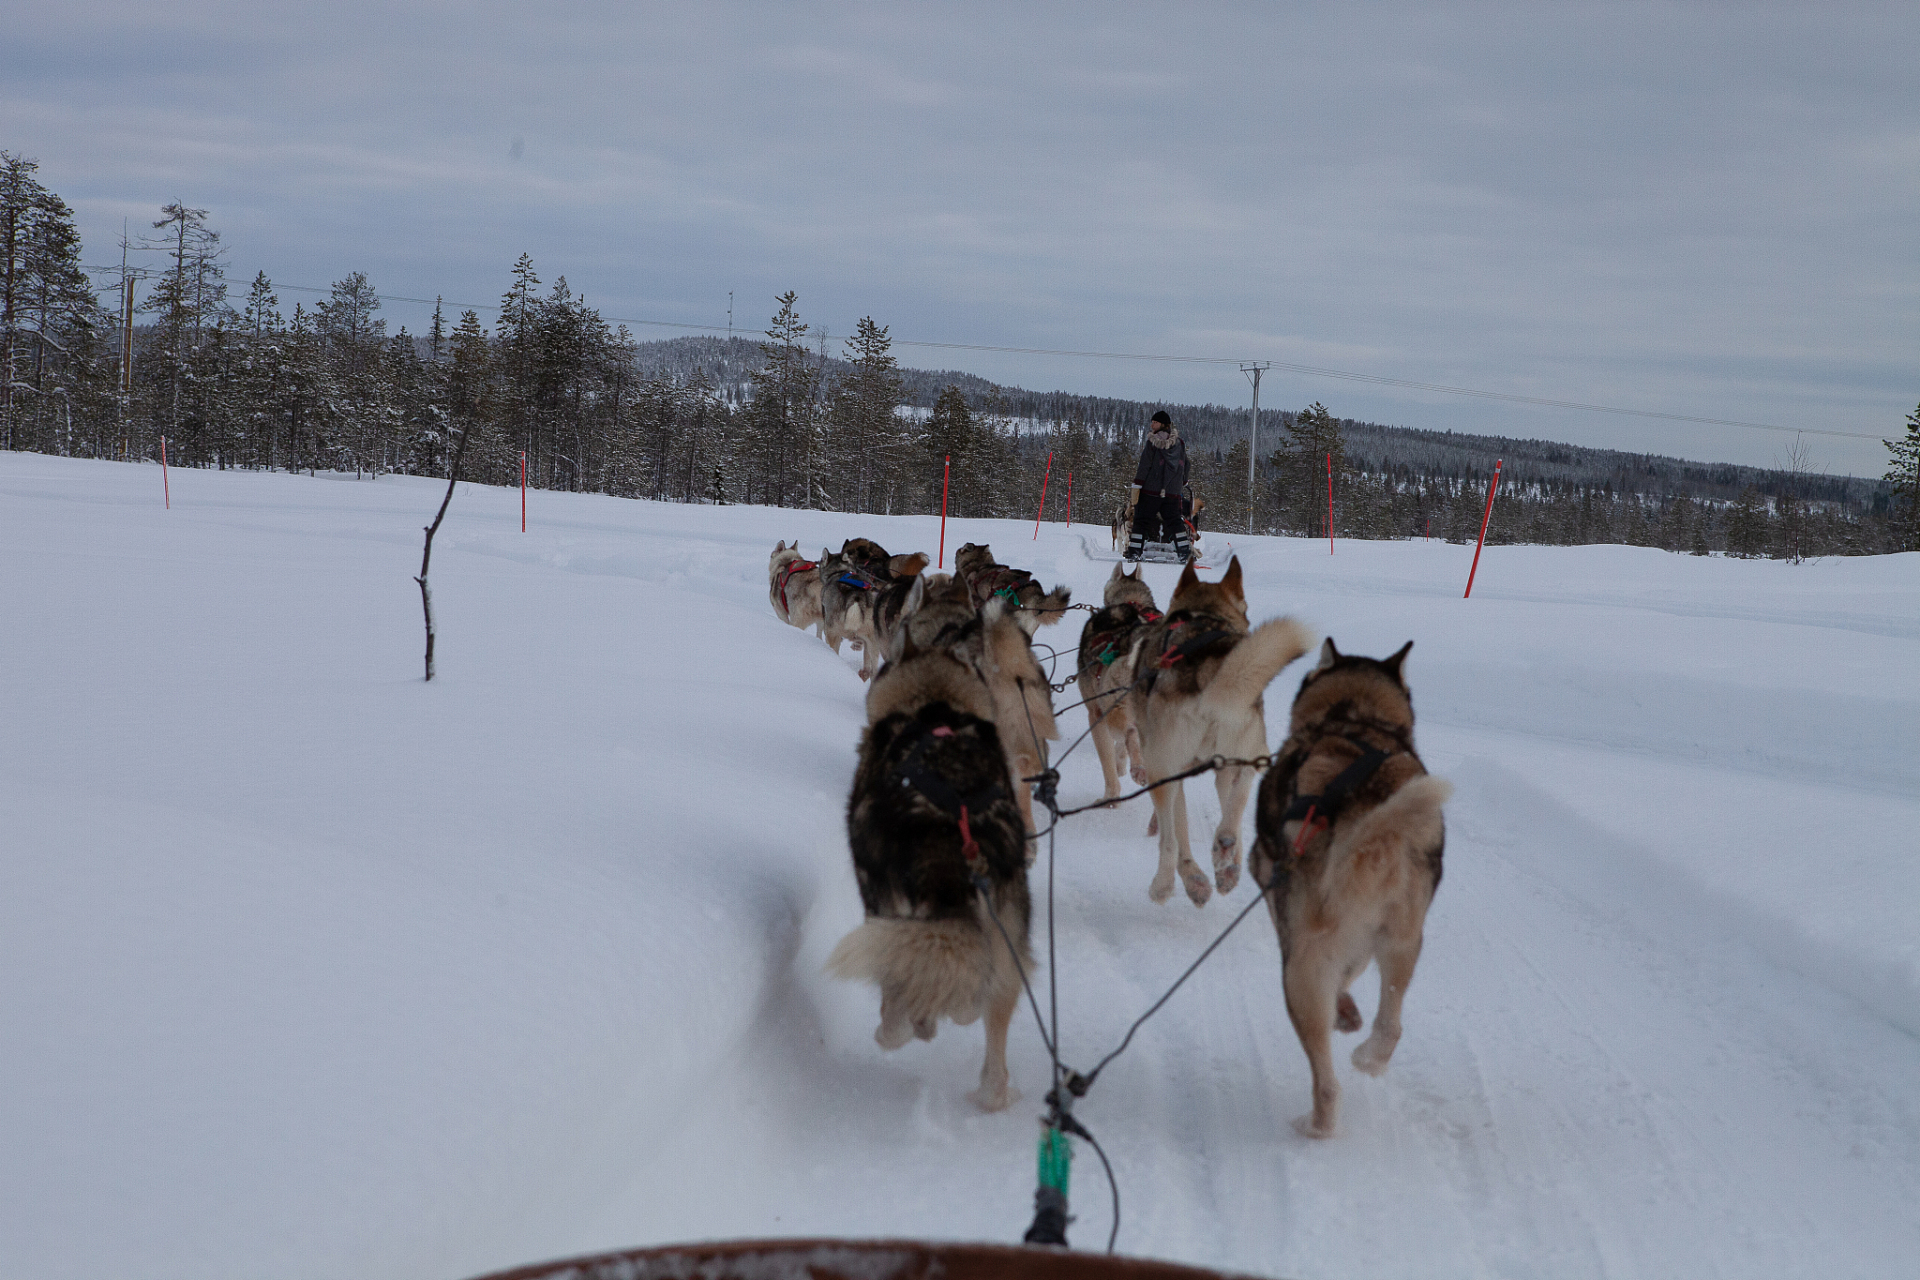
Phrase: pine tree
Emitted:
{"points": [[782, 415], [1312, 435], [1904, 472], [1747, 525]]}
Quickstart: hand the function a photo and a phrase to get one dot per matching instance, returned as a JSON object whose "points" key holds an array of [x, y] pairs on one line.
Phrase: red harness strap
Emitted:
{"points": [[786, 576]]}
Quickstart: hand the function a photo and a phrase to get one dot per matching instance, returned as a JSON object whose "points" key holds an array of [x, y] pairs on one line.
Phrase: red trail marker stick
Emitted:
{"points": [[523, 491], [1329, 504], [1491, 490], [1069, 499], [1043, 496], [946, 473], [166, 490]]}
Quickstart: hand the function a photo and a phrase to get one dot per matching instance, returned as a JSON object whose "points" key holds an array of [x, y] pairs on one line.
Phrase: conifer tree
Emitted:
{"points": [[1904, 472]]}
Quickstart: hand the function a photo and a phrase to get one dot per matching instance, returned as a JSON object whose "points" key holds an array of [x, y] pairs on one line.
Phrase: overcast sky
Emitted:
{"points": [[1703, 211]]}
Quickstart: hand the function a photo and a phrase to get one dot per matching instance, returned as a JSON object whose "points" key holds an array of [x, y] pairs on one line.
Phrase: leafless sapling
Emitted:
{"points": [[426, 593]]}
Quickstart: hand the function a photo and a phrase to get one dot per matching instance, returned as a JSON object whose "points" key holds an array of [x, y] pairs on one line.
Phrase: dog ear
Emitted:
{"points": [[1119, 572], [1188, 578], [1232, 581], [1328, 655], [778, 547], [1397, 661]]}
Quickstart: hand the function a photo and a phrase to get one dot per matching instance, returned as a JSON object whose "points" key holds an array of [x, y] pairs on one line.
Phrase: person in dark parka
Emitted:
{"points": [[1160, 478]]}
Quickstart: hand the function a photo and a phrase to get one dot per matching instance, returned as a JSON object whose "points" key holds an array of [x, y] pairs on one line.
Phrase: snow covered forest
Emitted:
{"points": [[233, 379]]}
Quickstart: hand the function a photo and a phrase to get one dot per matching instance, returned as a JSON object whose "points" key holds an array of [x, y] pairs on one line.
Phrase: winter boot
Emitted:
{"points": [[1136, 545], [1183, 546]]}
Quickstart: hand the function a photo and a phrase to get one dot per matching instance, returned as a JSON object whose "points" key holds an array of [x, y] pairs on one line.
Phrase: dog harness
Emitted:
{"points": [[917, 774], [1109, 641], [786, 575], [1316, 813]]}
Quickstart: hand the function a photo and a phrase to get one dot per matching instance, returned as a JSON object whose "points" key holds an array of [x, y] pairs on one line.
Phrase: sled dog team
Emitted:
{"points": [[1348, 826]]}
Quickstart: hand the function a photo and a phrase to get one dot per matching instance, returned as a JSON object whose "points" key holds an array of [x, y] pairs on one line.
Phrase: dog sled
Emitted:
{"points": [[1166, 552], [857, 1260]]}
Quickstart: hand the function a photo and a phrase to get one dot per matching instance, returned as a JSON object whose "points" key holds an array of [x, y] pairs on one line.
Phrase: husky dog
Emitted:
{"points": [[1106, 667], [940, 615], [1198, 677], [1123, 518], [852, 584], [794, 587], [986, 578], [930, 816], [1348, 837]]}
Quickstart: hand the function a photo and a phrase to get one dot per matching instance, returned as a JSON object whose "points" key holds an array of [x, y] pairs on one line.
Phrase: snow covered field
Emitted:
{"points": [[311, 969]]}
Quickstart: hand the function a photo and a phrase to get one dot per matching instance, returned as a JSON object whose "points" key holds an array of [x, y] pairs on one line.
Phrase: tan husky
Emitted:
{"points": [[1199, 674], [931, 819], [1349, 836], [1106, 667], [939, 614], [793, 585]]}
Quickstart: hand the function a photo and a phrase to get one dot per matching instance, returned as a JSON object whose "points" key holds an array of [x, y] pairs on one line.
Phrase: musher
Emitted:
{"points": [[1158, 483]]}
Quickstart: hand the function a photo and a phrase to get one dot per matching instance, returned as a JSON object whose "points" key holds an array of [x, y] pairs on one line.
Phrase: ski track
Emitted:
{"points": [[1667, 1021]]}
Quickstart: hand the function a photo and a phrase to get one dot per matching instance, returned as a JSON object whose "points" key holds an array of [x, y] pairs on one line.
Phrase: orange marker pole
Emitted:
{"points": [[523, 491], [1329, 504], [1069, 499], [1491, 490], [946, 471], [1043, 496], [166, 490]]}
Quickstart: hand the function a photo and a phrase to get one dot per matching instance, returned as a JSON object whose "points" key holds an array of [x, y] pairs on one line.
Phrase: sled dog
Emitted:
{"points": [[986, 578], [1106, 667], [930, 812], [1198, 677], [794, 587], [1349, 835], [853, 584], [940, 615]]}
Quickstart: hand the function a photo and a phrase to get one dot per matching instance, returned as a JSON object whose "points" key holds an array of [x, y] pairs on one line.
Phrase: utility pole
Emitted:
{"points": [[1253, 369]]}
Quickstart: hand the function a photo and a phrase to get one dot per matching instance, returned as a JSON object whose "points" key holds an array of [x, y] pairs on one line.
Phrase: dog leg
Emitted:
{"points": [[996, 1093], [1136, 755], [1346, 1014], [1397, 959], [895, 1027], [1232, 785], [1199, 888], [1103, 745], [1309, 988], [1165, 797]]}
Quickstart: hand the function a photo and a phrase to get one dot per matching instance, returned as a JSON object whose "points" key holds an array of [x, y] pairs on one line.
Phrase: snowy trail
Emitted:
{"points": [[310, 969]]}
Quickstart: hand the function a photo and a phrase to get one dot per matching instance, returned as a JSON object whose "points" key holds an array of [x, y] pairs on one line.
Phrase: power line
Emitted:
{"points": [[1308, 370]]}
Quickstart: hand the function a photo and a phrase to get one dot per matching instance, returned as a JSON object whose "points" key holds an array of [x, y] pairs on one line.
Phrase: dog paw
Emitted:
{"points": [[1138, 772], [1226, 863], [1372, 1058], [924, 1028], [1346, 1015], [1307, 1127], [994, 1099], [1162, 887], [1199, 888], [892, 1036], [1153, 823]]}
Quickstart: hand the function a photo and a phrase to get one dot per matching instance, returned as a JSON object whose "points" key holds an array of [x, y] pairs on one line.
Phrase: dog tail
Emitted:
{"points": [[1253, 663], [926, 969], [1052, 607], [1407, 826]]}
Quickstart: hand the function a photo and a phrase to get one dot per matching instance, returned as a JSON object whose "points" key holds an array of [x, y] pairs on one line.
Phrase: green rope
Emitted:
{"points": [[1056, 1154]]}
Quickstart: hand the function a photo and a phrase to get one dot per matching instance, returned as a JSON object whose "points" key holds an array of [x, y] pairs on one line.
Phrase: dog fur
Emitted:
{"points": [[986, 578], [1106, 667], [929, 942], [1358, 890], [795, 596], [940, 615], [862, 589], [1189, 703]]}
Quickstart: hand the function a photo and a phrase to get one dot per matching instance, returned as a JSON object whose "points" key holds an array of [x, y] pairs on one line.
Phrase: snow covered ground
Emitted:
{"points": [[311, 969]]}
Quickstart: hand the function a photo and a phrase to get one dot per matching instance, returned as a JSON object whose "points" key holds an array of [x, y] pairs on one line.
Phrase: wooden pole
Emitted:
{"points": [[1043, 496], [946, 472], [1491, 490]]}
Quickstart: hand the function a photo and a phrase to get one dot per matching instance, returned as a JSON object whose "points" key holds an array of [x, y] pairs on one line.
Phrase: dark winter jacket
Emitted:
{"points": [[1163, 463]]}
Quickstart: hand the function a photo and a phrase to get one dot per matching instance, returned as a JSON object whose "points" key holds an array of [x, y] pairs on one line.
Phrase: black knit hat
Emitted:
{"points": [[1162, 418]]}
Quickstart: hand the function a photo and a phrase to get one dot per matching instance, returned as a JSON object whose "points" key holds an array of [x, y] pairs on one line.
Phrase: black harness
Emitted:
{"points": [[1334, 796], [916, 773]]}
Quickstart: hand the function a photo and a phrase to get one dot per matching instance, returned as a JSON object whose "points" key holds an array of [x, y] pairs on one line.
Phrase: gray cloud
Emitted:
{"points": [[1699, 211]]}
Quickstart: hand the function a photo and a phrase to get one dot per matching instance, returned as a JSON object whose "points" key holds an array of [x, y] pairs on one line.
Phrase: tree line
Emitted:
{"points": [[240, 382]]}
